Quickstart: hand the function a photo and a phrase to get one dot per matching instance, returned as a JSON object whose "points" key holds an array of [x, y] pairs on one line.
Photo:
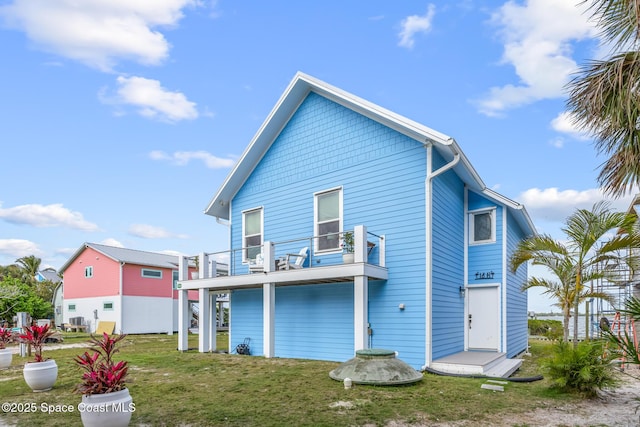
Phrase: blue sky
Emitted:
{"points": [[120, 119]]}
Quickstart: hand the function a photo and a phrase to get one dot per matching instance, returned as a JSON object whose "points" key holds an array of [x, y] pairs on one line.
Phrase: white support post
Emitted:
{"points": [[360, 243], [183, 306], [268, 255], [203, 266], [381, 252], [268, 309], [213, 324], [360, 313], [213, 269], [204, 321]]}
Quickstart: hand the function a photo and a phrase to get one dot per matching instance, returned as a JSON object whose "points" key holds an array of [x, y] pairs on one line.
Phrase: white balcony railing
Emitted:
{"points": [[369, 249]]}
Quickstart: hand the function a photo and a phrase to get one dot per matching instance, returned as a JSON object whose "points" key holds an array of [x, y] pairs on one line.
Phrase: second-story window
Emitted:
{"points": [[252, 229], [88, 271], [482, 226], [328, 220], [152, 274]]}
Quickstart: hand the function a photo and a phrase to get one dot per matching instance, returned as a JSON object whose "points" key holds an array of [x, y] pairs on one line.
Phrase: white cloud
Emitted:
{"points": [[557, 142], [151, 100], [537, 38], [554, 205], [152, 232], [54, 215], [414, 24], [112, 242], [182, 158], [18, 248], [564, 123], [97, 33]]}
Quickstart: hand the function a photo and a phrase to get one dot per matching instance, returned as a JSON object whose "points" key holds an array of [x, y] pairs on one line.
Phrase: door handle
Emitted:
{"points": [[470, 316]]}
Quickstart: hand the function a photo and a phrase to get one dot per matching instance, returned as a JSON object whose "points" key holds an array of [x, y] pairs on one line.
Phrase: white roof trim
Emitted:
{"points": [[511, 204]]}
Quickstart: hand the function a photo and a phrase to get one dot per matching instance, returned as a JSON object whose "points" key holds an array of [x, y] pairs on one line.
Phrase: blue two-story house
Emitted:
{"points": [[329, 173]]}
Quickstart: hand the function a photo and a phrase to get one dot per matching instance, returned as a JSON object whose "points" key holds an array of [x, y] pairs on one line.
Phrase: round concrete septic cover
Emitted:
{"points": [[375, 352], [376, 366]]}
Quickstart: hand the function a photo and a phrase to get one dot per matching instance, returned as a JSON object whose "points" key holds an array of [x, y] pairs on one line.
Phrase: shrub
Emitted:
{"points": [[101, 373], [36, 335], [551, 329], [6, 337], [583, 369]]}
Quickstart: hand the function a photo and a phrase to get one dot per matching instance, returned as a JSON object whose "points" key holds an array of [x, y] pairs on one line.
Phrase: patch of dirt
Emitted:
{"points": [[619, 407]]}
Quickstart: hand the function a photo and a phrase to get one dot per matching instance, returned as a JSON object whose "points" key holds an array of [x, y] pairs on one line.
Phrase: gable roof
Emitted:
{"points": [[128, 256], [301, 85], [50, 275]]}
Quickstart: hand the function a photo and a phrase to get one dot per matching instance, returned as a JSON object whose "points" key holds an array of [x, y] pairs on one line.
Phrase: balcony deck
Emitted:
{"points": [[312, 269], [313, 275]]}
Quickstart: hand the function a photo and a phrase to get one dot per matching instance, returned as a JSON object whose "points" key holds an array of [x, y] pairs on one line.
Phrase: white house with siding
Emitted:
{"points": [[430, 277]]}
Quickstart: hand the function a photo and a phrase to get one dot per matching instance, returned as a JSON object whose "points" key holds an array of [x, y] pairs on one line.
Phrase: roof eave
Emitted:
{"points": [[520, 212]]}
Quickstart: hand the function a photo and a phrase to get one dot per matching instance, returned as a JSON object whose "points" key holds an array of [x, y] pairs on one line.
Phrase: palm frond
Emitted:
{"points": [[618, 20], [603, 101]]}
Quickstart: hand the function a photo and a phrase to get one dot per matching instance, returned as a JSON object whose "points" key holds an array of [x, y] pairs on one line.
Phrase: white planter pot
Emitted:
{"points": [[6, 354], [40, 376], [347, 258], [109, 409]]}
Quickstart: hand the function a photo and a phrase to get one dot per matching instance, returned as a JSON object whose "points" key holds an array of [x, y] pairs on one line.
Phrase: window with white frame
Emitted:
{"points": [[71, 307], [108, 306], [175, 278], [252, 233], [482, 226], [328, 220], [151, 274], [88, 271]]}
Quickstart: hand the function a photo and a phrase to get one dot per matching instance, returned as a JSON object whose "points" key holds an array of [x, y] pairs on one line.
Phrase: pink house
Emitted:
{"points": [[135, 289]]}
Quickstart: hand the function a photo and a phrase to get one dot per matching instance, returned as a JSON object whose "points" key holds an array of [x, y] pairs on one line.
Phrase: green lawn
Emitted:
{"points": [[173, 388]]}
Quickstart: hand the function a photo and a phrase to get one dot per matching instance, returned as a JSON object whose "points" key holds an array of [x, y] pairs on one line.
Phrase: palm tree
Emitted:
{"points": [[581, 258], [30, 266], [604, 95], [544, 250]]}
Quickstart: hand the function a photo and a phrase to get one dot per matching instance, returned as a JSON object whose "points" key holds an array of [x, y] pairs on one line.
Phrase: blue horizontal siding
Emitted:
{"points": [[245, 317], [382, 173], [486, 257], [315, 322], [517, 328], [448, 265]]}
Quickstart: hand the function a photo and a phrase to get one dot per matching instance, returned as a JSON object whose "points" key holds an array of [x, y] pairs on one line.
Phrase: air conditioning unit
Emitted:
{"points": [[77, 321]]}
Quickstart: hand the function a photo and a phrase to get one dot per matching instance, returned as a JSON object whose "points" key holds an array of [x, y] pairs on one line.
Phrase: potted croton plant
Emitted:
{"points": [[105, 397], [40, 374], [6, 354]]}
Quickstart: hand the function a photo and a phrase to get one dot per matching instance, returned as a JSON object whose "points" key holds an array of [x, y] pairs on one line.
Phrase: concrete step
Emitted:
{"points": [[503, 369]]}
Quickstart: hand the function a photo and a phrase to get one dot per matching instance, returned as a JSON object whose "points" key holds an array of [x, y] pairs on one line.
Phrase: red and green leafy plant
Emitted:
{"points": [[6, 337], [101, 374], [36, 336]]}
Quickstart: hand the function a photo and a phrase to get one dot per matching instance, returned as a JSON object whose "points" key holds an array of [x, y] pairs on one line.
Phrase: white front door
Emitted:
{"points": [[483, 318]]}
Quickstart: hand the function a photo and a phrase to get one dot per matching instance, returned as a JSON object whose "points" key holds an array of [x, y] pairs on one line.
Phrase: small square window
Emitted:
{"points": [[88, 271], [482, 227], [71, 307]]}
